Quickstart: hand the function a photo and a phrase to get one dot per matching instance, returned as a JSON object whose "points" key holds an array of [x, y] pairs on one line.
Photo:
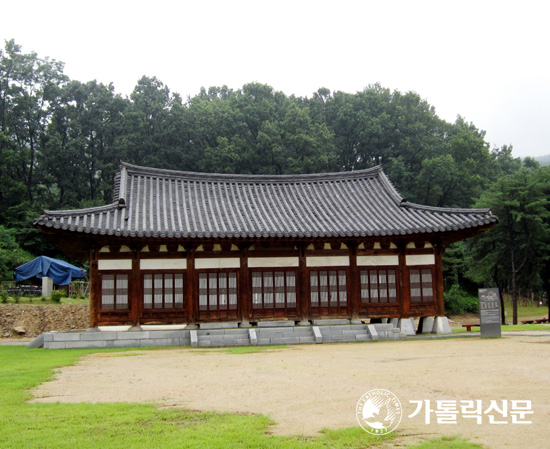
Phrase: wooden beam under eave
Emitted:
{"points": [[73, 244], [448, 238]]}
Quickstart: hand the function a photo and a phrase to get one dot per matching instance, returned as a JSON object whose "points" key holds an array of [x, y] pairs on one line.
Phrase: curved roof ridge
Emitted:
{"points": [[459, 210], [225, 177], [390, 188], [88, 210]]}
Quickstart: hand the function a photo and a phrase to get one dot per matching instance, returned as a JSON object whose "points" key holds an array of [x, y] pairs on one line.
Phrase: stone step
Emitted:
{"points": [[330, 321], [222, 325], [206, 343], [362, 337], [281, 323]]}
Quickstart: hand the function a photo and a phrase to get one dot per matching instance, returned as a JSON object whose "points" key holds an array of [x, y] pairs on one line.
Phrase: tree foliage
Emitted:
{"points": [[11, 255]]}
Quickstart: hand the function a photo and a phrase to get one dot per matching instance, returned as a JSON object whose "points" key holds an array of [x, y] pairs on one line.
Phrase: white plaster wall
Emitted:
{"points": [[328, 261], [267, 262], [114, 264], [371, 261], [420, 259], [202, 264], [163, 264]]}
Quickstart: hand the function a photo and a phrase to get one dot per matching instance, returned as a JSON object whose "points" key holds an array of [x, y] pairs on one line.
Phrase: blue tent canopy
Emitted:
{"points": [[60, 271]]}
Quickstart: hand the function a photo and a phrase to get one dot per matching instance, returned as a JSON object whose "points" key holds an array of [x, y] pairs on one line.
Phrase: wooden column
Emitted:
{"points": [[404, 284], [94, 288], [134, 289], [355, 281], [191, 283], [243, 298], [439, 293]]}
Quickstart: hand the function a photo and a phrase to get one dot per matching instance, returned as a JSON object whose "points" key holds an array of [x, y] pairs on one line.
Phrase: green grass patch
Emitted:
{"points": [[40, 301], [527, 309], [450, 442], [509, 328]]}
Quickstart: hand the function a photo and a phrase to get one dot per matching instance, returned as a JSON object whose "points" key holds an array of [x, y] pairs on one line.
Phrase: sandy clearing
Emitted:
{"points": [[305, 388]]}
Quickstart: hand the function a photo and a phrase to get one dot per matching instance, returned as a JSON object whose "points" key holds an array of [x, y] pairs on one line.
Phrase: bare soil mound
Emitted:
{"points": [[21, 320]]}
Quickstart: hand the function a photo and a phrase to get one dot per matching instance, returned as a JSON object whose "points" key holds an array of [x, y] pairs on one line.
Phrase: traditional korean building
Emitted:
{"points": [[181, 247]]}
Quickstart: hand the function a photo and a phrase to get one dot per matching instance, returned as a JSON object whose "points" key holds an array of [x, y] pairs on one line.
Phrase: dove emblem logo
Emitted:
{"points": [[379, 412]]}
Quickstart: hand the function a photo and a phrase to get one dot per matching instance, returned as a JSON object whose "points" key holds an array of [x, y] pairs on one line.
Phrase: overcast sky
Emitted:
{"points": [[487, 61]]}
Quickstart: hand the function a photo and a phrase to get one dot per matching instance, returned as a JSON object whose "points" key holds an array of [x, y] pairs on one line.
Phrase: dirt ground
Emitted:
{"points": [[306, 388], [26, 320]]}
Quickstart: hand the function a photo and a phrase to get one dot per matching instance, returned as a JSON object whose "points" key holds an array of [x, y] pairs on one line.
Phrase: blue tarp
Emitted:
{"points": [[60, 271]]}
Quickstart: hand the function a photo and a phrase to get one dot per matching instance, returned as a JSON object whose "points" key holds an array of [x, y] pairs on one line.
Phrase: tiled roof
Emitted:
{"points": [[152, 202]]}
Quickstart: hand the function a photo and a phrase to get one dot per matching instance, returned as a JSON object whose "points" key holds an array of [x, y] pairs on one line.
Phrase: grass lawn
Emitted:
{"points": [[525, 311], [510, 327], [132, 425], [40, 301]]}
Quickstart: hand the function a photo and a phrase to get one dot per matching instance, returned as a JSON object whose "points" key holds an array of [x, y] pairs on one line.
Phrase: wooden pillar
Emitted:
{"points": [[439, 290], [355, 281], [404, 284], [191, 286], [136, 296], [94, 288], [304, 300], [244, 287]]}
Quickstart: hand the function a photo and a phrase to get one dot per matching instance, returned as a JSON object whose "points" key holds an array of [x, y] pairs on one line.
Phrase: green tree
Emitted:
{"points": [[543, 251], [257, 130], [458, 172], [513, 247], [81, 158], [150, 134], [502, 162], [29, 90], [11, 255]]}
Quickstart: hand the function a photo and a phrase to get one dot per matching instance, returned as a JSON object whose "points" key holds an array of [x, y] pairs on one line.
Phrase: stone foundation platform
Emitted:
{"points": [[227, 334]]}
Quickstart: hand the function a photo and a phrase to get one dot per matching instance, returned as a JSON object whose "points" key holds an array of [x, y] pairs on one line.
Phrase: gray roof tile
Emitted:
{"points": [[152, 202]]}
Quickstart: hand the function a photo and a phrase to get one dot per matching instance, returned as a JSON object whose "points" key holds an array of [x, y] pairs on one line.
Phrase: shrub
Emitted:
{"points": [[458, 301], [11, 254], [57, 295], [4, 296]]}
